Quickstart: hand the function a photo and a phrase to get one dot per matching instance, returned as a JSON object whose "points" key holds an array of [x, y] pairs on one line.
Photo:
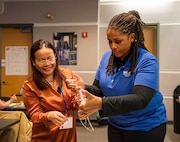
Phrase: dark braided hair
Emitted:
{"points": [[128, 23]]}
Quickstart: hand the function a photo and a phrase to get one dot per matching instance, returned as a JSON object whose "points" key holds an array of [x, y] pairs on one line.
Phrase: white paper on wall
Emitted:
{"points": [[16, 60]]}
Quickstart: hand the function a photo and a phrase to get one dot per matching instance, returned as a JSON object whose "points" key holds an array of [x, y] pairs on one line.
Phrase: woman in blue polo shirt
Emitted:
{"points": [[126, 85]]}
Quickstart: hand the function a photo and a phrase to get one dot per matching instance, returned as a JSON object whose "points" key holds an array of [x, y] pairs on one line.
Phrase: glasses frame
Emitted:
{"points": [[50, 59]]}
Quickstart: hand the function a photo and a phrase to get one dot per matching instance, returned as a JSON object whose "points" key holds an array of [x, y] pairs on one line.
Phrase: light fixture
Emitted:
{"points": [[50, 15]]}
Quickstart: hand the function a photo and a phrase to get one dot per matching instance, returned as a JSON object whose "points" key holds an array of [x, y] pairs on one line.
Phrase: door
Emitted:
{"points": [[150, 36], [14, 37]]}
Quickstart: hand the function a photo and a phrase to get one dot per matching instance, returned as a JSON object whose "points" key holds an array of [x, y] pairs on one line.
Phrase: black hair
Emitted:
{"points": [[37, 76], [128, 23]]}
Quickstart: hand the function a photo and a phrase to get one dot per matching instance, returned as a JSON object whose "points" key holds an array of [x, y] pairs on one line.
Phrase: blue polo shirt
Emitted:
{"points": [[121, 83]]}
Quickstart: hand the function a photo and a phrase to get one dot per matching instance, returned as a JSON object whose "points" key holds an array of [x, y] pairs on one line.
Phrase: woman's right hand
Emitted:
{"points": [[56, 117], [13, 98], [93, 104]]}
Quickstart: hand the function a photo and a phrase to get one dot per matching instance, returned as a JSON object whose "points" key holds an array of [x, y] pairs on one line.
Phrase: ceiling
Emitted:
{"points": [[29, 0]]}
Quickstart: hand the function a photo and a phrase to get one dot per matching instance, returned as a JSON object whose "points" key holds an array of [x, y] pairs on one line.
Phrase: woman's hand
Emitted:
{"points": [[13, 98], [56, 117], [75, 83], [4, 104], [93, 104], [80, 98]]}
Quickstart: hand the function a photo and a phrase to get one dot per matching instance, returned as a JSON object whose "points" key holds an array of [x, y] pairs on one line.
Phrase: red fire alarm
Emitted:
{"points": [[84, 34]]}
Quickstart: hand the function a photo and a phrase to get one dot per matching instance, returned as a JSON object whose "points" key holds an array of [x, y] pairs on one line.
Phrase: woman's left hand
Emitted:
{"points": [[75, 83]]}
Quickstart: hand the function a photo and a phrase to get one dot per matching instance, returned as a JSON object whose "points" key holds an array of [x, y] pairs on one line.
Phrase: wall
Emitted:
{"points": [[64, 11]]}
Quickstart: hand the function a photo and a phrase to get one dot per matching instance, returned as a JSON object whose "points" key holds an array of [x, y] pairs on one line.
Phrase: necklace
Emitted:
{"points": [[54, 84]]}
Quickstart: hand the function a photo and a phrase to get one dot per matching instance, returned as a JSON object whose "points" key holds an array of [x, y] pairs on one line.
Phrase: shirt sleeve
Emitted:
{"points": [[33, 107], [118, 105], [94, 89]]}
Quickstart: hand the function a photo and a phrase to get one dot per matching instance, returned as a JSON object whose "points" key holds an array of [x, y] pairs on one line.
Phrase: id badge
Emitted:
{"points": [[68, 124]]}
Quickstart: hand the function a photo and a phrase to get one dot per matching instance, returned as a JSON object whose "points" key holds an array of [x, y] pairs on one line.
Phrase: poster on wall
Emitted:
{"points": [[16, 61], [66, 47]]}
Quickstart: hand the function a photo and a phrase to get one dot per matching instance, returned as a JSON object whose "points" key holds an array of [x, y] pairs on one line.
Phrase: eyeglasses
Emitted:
{"points": [[50, 59]]}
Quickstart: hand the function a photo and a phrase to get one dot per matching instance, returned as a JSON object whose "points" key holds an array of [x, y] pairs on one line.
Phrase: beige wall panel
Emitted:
{"points": [[168, 82], [86, 47], [169, 108]]}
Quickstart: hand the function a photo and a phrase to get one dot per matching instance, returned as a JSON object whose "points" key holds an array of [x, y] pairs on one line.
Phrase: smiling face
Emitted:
{"points": [[120, 43], [45, 61]]}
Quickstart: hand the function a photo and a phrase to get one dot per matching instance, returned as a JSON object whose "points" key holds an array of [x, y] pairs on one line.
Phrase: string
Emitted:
{"points": [[87, 120]]}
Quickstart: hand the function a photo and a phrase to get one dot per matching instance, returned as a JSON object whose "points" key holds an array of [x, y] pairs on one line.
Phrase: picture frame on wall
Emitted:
{"points": [[66, 47]]}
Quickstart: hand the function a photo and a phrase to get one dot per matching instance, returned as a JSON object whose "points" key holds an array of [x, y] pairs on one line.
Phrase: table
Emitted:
{"points": [[17, 107], [5, 123]]}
